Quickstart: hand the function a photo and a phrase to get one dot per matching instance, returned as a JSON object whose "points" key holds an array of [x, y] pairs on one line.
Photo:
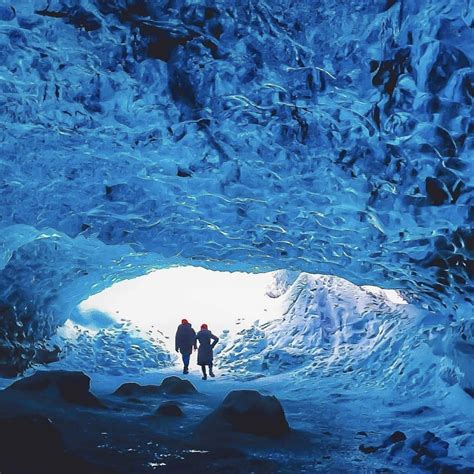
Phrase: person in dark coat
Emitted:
{"points": [[185, 342], [205, 355]]}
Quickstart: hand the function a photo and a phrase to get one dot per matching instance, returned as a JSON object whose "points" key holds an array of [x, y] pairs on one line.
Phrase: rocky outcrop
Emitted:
{"points": [[170, 409], [33, 444], [169, 386], [72, 387], [247, 411]]}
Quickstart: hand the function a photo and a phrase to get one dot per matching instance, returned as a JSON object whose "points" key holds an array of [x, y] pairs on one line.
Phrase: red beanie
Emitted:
{"points": [[203, 326], [184, 321]]}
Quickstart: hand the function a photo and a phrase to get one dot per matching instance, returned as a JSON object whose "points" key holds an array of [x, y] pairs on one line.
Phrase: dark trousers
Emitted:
{"points": [[186, 358], [203, 368]]}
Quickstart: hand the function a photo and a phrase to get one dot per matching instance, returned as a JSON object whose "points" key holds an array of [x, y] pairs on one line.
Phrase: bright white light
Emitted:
{"points": [[164, 297], [391, 295], [222, 300]]}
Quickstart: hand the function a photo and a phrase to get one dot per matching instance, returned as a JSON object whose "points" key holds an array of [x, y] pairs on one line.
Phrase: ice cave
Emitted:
{"points": [[298, 175]]}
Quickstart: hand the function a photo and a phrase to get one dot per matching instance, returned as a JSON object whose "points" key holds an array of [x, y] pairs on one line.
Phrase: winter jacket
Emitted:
{"points": [[185, 339], [205, 356]]}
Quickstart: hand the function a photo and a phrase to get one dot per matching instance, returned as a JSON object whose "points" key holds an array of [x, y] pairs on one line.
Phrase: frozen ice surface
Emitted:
{"points": [[119, 349], [328, 324]]}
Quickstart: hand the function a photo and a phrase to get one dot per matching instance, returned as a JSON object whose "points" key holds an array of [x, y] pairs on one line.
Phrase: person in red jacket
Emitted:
{"points": [[205, 354], [185, 342]]}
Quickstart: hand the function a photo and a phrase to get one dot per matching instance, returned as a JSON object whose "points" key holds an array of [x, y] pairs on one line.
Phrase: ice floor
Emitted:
{"points": [[330, 416]]}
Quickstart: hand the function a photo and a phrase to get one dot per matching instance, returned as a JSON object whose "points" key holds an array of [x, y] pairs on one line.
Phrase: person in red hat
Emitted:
{"points": [[185, 342], [205, 354]]}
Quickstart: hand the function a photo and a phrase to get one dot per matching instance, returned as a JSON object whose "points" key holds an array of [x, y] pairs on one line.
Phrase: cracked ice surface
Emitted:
{"points": [[330, 137]]}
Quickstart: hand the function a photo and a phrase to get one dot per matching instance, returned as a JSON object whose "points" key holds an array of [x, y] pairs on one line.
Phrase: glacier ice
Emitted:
{"points": [[120, 348], [326, 324], [327, 137]]}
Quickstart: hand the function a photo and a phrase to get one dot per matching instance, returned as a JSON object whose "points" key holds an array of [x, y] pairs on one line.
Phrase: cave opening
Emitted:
{"points": [[130, 327]]}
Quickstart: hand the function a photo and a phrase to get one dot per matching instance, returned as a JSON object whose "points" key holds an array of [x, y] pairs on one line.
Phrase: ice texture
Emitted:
{"points": [[328, 137], [328, 324], [335, 340], [118, 349]]}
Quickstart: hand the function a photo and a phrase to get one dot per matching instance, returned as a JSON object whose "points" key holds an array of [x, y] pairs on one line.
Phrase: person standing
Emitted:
{"points": [[205, 354], [185, 342]]}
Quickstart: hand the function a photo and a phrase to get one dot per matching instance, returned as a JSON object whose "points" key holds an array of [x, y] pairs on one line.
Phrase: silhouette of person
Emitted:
{"points": [[205, 354], [185, 342]]}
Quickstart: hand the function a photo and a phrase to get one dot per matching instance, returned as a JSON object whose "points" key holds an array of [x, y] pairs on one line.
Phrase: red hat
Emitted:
{"points": [[184, 321], [203, 326]]}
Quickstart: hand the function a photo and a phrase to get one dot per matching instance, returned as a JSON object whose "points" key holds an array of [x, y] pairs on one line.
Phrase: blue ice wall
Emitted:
{"points": [[325, 136]]}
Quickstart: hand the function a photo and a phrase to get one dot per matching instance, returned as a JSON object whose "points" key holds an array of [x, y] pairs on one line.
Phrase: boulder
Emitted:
{"points": [[177, 386], [430, 445], [169, 409], [169, 386], [72, 387], [395, 437], [368, 449], [28, 442], [133, 389], [33, 444], [248, 411]]}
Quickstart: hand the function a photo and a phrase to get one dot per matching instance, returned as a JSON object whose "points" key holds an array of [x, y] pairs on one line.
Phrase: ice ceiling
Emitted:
{"points": [[322, 136]]}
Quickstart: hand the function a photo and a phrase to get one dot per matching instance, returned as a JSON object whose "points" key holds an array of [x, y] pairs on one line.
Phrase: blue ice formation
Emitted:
{"points": [[327, 324], [329, 137], [117, 349], [333, 339]]}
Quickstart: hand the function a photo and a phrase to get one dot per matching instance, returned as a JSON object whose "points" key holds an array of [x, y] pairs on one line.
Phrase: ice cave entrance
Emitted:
{"points": [[160, 299], [130, 326]]}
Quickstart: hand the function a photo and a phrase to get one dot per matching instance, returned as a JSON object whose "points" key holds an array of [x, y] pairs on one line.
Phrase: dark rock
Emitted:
{"points": [[436, 191], [396, 437], [428, 444], [43, 355], [169, 409], [396, 448], [248, 411], [182, 173], [177, 386], [33, 444], [51, 13], [368, 449], [163, 41], [81, 18], [469, 391], [169, 386], [133, 389], [73, 387]]}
